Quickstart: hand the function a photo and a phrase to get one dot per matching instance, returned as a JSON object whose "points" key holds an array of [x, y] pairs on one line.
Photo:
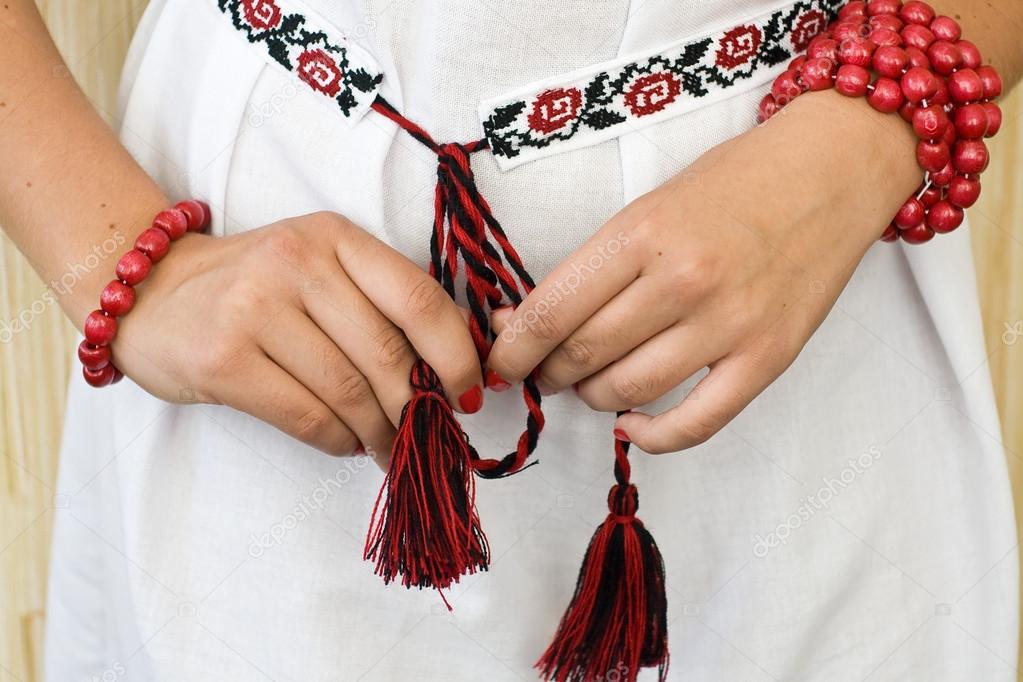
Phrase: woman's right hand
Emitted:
{"points": [[309, 324]]}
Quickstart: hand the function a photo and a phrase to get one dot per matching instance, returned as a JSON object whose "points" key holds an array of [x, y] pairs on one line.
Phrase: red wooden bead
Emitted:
{"points": [[917, 57], [970, 53], [946, 28], [117, 376], [886, 96], [943, 217], [965, 86], [991, 80], [100, 329], [930, 122], [786, 88], [99, 378], [93, 357], [890, 234], [994, 118], [943, 177], [917, 235], [768, 108], [848, 30], [154, 242], [195, 213], [910, 214], [914, 35], [932, 156], [173, 222], [930, 196], [133, 267], [886, 21], [971, 121], [885, 36], [852, 80], [918, 84], [117, 298], [963, 191], [207, 216], [823, 48], [944, 56], [890, 61], [856, 51], [816, 73], [796, 63], [914, 12], [907, 110], [854, 9], [940, 95], [950, 138], [970, 156], [876, 7]]}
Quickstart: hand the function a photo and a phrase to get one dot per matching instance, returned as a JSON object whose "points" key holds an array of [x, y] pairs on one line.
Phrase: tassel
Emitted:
{"points": [[424, 527], [616, 623]]}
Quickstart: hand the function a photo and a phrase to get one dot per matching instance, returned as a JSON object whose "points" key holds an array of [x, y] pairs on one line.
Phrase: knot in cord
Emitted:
{"points": [[623, 502], [465, 232]]}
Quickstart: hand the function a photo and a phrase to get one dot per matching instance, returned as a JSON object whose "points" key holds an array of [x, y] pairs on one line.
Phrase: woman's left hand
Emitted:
{"points": [[731, 265]]}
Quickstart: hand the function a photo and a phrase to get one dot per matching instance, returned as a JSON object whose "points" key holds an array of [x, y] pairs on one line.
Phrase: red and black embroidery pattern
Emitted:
{"points": [[322, 58], [534, 121]]}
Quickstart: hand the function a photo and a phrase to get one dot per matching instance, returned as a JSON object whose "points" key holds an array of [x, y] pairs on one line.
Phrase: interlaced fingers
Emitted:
{"points": [[462, 231]]}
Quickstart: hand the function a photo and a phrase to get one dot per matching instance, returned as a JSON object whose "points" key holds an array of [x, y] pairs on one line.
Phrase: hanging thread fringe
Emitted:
{"points": [[616, 623], [424, 529]]}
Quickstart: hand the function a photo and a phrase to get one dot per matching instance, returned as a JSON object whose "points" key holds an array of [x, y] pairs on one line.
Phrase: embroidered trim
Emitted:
{"points": [[322, 57], [607, 100]]}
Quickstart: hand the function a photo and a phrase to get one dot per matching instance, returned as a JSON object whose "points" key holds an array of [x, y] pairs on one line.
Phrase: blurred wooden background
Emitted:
{"points": [[34, 364]]}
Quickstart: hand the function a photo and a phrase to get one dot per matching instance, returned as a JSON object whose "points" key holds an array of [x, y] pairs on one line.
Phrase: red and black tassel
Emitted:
{"points": [[425, 530], [428, 533], [616, 623]]}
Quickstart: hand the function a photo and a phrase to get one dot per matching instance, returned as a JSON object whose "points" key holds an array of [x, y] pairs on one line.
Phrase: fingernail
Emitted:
{"points": [[622, 436], [544, 388], [360, 450], [494, 381], [472, 400]]}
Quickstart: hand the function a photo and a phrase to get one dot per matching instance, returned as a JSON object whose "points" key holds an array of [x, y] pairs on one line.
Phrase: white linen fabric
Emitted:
{"points": [[854, 522]]}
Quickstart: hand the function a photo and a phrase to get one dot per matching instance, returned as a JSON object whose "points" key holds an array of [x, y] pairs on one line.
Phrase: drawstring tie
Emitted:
{"points": [[425, 530]]}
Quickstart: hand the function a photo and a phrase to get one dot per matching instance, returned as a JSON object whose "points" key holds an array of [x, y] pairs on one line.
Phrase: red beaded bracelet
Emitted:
{"points": [[118, 297], [926, 73]]}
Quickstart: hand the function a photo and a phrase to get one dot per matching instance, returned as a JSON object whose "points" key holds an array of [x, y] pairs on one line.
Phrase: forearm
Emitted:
{"points": [[861, 163], [994, 26], [69, 191]]}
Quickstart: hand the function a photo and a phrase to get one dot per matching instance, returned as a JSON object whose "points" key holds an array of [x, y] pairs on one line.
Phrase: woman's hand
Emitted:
{"points": [[731, 265], [310, 324]]}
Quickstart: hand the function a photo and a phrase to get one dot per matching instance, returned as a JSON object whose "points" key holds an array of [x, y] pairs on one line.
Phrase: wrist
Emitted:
{"points": [[859, 163], [81, 271]]}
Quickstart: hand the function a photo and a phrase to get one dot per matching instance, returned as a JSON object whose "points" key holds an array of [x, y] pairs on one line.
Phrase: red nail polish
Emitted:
{"points": [[472, 400], [359, 450], [622, 436], [495, 382]]}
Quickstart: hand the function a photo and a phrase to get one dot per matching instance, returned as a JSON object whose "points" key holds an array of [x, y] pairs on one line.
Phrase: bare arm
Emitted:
{"points": [[736, 270], [67, 183], [995, 27], [329, 367]]}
